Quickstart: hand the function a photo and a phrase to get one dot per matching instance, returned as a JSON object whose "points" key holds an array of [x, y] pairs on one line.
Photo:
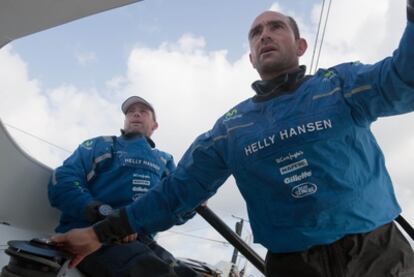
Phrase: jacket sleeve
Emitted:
{"points": [[385, 88], [169, 165], [199, 174], [67, 189], [410, 10]]}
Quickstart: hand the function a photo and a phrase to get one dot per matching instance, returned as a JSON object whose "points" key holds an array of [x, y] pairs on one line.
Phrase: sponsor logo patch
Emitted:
{"points": [[233, 114], [298, 177], [140, 182], [304, 189], [293, 166], [87, 144], [289, 157]]}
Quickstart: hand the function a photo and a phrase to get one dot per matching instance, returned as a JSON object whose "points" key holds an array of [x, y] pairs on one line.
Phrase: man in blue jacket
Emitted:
{"points": [[108, 173], [301, 150]]}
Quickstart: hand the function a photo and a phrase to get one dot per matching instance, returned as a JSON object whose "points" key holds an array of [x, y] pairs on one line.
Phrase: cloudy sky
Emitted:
{"points": [[190, 59]]}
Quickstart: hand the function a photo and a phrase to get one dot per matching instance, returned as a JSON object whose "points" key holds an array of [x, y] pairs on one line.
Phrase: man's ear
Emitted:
{"points": [[251, 60], [302, 45], [154, 126]]}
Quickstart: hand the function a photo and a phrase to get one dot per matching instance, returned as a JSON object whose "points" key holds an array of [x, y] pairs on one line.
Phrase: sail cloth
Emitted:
{"points": [[20, 18]]}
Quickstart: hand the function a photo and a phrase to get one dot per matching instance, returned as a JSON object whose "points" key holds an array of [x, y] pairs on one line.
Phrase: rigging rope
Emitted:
{"points": [[317, 37], [36, 137], [323, 34], [317, 53], [193, 236]]}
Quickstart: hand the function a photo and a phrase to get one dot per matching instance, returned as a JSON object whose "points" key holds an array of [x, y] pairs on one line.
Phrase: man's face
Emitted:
{"points": [[139, 119], [273, 47]]}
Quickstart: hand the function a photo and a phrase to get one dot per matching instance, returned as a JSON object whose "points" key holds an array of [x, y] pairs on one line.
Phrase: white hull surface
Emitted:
{"points": [[25, 212]]}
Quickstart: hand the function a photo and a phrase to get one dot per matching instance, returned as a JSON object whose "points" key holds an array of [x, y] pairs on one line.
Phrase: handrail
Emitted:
{"points": [[231, 237]]}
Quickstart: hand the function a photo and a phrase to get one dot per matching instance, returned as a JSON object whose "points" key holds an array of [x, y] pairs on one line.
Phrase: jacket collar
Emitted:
{"points": [[129, 136], [280, 85]]}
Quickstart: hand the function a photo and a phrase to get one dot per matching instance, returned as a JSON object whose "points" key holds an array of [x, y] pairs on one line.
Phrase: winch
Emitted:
{"points": [[35, 258]]}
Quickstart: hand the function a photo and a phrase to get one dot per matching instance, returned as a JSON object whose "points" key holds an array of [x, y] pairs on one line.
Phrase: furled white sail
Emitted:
{"points": [[20, 18]]}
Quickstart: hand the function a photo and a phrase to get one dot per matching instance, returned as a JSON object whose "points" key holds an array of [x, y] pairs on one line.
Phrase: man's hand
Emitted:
{"points": [[79, 242], [130, 238]]}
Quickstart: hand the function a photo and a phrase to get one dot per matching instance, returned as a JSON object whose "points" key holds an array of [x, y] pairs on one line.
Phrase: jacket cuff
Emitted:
{"points": [[410, 10], [114, 227], [91, 212]]}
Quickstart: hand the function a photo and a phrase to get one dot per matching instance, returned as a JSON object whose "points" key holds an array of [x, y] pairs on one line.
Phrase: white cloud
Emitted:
{"points": [[116, 83], [85, 58], [186, 44], [366, 31], [64, 115], [189, 90]]}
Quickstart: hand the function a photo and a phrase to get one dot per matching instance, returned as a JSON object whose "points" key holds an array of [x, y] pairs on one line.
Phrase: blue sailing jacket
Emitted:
{"points": [[306, 163], [111, 170]]}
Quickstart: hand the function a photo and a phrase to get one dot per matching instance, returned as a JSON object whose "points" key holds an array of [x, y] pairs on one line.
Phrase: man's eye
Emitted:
{"points": [[254, 33], [275, 26]]}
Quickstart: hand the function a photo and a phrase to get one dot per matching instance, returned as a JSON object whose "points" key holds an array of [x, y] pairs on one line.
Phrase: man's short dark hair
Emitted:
{"points": [[294, 26]]}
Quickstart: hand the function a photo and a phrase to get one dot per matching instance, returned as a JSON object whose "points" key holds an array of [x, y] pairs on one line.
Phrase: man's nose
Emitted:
{"points": [[265, 35]]}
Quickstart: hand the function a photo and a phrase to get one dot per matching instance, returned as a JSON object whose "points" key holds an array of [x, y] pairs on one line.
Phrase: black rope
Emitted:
{"points": [[405, 225]]}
